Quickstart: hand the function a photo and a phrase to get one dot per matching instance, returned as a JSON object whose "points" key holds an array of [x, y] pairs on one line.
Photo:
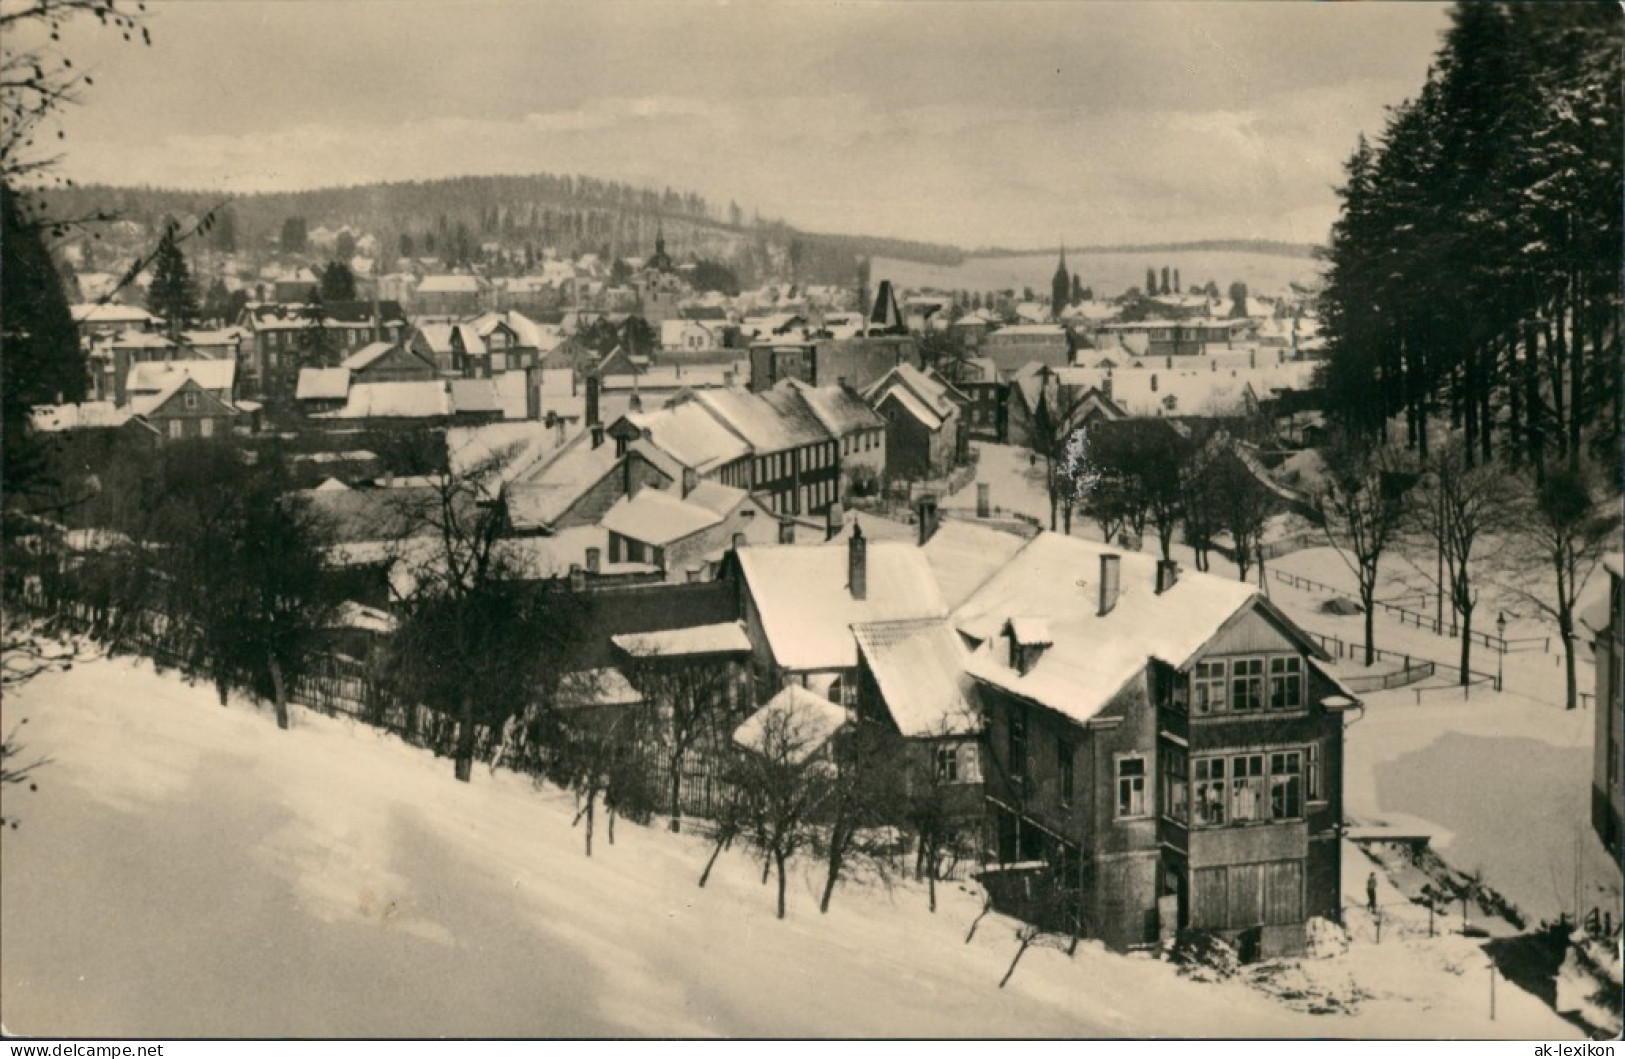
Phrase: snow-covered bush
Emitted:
{"points": [[1203, 956], [1325, 939]]}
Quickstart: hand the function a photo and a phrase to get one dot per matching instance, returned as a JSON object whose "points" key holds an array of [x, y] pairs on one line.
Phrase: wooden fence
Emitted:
{"points": [[1340, 649], [1406, 616]]}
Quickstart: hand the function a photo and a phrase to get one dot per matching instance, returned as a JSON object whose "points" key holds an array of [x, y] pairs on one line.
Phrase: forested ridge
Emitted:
{"points": [[570, 214]]}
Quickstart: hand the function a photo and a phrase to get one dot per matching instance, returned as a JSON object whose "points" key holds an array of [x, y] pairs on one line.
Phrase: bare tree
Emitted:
{"points": [[933, 810], [1075, 479], [1457, 506], [1364, 504], [598, 752], [1239, 503], [694, 700], [1565, 526], [785, 773], [864, 802], [1052, 436], [483, 635]]}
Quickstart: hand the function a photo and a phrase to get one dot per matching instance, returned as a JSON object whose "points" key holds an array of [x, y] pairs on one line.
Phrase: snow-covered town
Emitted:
{"points": [[478, 603]]}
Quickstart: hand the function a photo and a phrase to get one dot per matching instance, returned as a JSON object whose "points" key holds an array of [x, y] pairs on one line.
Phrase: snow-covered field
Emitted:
{"points": [[189, 870]]}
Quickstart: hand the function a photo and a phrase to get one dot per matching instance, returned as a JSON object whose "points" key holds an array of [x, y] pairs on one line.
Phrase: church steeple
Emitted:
{"points": [[660, 261], [1060, 287]]}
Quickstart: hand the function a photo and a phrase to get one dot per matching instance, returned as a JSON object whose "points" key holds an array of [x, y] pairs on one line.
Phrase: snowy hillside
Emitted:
{"points": [[188, 870]]}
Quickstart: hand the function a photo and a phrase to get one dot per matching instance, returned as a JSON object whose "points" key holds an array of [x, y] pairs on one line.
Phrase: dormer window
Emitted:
{"points": [[189, 400]]}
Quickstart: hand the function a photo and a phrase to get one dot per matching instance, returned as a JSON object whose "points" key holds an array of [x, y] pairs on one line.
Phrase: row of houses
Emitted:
{"points": [[1128, 749], [1134, 750]]}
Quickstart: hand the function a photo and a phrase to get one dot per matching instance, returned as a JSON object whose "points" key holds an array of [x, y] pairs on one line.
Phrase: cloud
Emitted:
{"points": [[1016, 124]]}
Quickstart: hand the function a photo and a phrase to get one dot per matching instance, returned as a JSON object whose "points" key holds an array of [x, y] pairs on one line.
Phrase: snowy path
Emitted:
{"points": [[189, 870]]}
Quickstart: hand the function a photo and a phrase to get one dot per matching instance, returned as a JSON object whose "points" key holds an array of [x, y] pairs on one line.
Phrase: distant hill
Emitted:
{"points": [[452, 219], [1236, 246]]}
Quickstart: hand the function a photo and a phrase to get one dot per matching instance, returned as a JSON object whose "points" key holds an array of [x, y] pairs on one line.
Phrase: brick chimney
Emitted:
{"points": [[984, 499], [857, 563], [1167, 575], [592, 401], [597, 434], [1109, 575]]}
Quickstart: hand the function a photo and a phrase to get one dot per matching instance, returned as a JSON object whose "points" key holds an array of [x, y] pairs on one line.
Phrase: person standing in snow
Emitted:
{"points": [[1371, 892]]}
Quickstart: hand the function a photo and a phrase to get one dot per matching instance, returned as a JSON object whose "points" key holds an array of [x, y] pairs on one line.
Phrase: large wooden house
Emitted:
{"points": [[1163, 752]]}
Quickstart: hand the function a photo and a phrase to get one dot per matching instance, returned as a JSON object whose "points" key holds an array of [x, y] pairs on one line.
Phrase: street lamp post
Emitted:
{"points": [[1500, 658]]}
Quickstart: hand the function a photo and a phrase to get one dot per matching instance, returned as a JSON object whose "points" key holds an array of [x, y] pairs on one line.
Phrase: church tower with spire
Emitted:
{"points": [[1060, 287], [660, 261]]}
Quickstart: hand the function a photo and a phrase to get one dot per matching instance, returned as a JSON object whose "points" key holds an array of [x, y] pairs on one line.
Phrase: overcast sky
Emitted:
{"points": [[979, 124]]}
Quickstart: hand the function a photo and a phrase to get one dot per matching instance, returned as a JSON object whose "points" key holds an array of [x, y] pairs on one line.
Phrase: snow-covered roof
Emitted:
{"points": [[770, 422], [449, 285], [915, 407], [691, 436], [84, 416], [806, 604], [716, 497], [794, 725], [504, 449], [154, 376], [1030, 631], [436, 336], [422, 398], [322, 384], [364, 357], [539, 496], [724, 638], [110, 313], [353, 615], [1030, 331], [920, 669], [224, 336], [475, 395], [1181, 391], [1057, 579], [658, 518], [929, 392], [469, 336], [607, 686], [963, 555]]}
